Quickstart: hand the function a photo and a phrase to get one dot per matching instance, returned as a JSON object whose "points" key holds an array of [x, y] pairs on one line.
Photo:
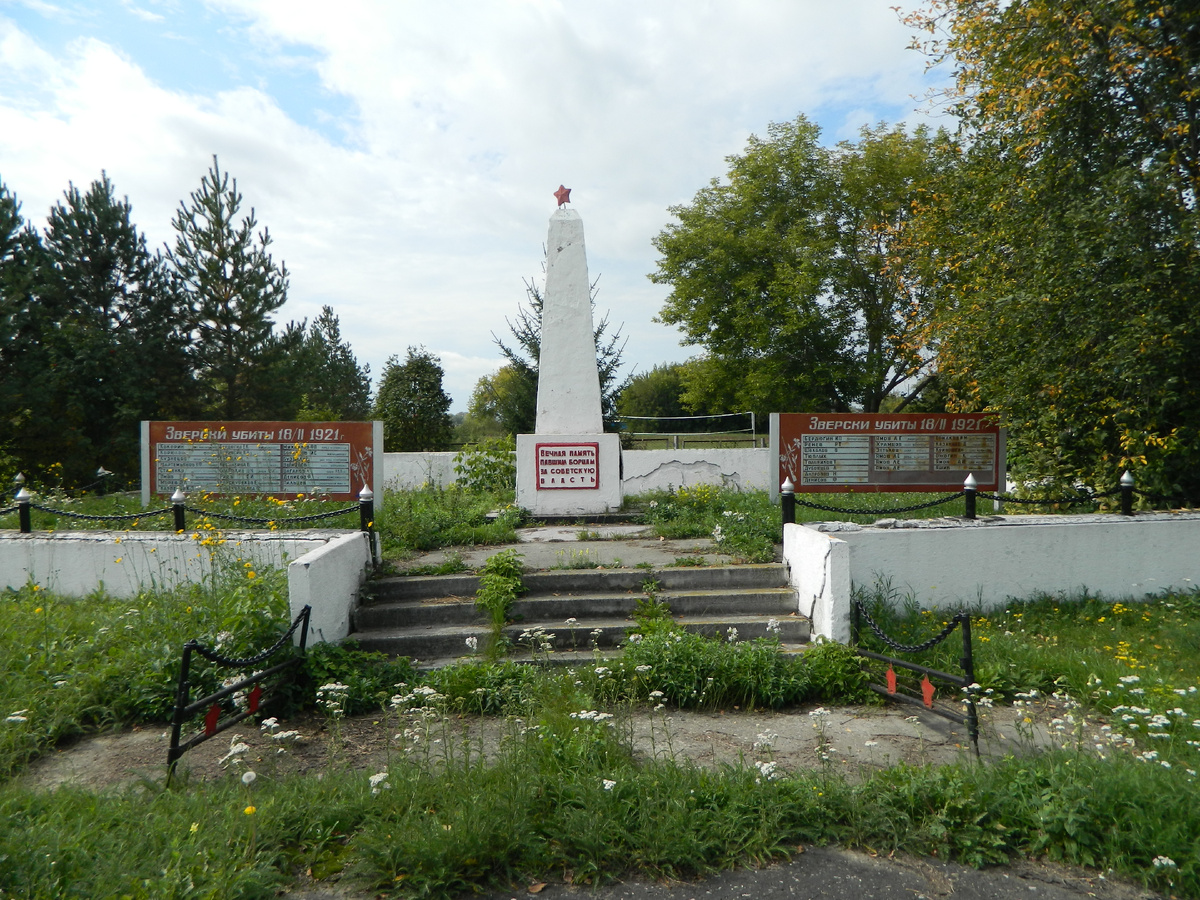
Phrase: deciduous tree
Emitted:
{"points": [[784, 272], [1067, 237]]}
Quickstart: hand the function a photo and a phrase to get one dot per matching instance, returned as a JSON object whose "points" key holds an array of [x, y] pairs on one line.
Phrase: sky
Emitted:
{"points": [[404, 153]]}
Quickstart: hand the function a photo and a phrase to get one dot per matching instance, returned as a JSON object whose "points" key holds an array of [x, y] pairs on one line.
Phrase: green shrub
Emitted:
{"points": [[499, 586], [370, 676], [489, 466]]}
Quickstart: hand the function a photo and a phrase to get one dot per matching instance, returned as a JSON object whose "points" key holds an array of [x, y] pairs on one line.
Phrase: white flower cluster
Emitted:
{"points": [[332, 698], [591, 715], [539, 640], [765, 740], [767, 770], [425, 697], [237, 749], [270, 727], [379, 783]]}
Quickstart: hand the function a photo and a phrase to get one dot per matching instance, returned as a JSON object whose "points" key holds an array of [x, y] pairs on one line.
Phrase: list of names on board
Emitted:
{"points": [[282, 459], [888, 451]]}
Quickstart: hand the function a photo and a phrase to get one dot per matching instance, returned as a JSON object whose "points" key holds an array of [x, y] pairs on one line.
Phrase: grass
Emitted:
{"points": [[565, 794]]}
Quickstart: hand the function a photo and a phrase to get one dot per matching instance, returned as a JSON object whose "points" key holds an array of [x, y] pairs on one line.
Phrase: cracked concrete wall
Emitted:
{"points": [[642, 470], [656, 470]]}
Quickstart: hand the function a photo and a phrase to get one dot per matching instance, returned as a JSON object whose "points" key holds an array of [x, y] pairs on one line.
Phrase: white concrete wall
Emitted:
{"points": [[409, 471], [325, 568], [124, 563], [328, 579], [650, 470], [819, 571], [953, 563], [644, 470]]}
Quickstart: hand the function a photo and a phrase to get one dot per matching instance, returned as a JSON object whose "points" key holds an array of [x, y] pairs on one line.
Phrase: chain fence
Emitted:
{"points": [[262, 520], [866, 511], [261, 684], [365, 508], [892, 690]]}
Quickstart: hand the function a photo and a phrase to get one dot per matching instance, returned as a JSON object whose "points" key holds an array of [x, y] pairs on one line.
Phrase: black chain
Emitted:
{"points": [[883, 512], [214, 656], [280, 521], [915, 648], [129, 518], [5, 512]]}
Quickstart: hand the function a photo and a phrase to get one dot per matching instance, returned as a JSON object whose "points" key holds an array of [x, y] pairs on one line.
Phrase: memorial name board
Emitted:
{"points": [[568, 466], [823, 452], [334, 460]]}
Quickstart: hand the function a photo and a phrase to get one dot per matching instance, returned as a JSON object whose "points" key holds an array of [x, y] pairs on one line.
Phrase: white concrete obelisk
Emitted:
{"points": [[569, 467]]}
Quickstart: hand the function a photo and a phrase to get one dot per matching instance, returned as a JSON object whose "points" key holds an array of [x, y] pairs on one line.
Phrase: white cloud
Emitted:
{"points": [[417, 216]]}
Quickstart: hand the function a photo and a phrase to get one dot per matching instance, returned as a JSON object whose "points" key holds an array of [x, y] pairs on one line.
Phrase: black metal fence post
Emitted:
{"points": [[366, 509], [1127, 494], [178, 501], [787, 500], [24, 501], [970, 488]]}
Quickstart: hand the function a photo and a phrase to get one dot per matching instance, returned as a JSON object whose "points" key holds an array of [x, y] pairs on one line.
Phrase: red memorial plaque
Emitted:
{"points": [[827, 452], [334, 460], [567, 467]]}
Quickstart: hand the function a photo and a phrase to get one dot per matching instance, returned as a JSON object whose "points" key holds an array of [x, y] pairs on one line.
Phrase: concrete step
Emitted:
{"points": [[433, 645], [420, 587], [582, 611], [560, 607]]}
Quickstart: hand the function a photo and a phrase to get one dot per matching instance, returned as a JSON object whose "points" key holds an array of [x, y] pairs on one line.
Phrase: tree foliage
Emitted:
{"points": [[97, 333], [104, 339], [319, 376], [661, 393], [233, 286], [784, 272], [1066, 235], [414, 408]]}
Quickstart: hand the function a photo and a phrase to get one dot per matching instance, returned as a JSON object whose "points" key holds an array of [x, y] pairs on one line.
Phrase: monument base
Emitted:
{"points": [[569, 474]]}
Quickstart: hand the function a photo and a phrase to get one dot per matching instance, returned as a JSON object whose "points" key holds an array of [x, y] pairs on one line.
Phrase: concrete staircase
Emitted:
{"points": [[584, 611]]}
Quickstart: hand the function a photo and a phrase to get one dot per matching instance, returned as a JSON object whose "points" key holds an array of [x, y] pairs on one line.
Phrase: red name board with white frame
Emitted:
{"points": [[334, 460], [828, 452]]}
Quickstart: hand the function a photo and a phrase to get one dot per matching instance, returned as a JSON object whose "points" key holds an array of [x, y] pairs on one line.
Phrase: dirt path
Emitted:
{"points": [[851, 739]]}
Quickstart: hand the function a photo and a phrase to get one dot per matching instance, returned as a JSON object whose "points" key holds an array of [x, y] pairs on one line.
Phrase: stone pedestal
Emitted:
{"points": [[569, 467], [569, 474]]}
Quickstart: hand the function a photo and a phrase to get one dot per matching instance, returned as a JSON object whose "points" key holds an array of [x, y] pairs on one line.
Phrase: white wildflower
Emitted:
{"points": [[767, 770], [608, 785]]}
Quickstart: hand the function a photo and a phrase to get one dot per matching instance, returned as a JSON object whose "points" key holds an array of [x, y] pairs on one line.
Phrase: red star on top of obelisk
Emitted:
{"points": [[563, 195]]}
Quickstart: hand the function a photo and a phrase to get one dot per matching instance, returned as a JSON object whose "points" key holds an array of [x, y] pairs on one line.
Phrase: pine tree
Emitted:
{"points": [[233, 287], [412, 404], [117, 349]]}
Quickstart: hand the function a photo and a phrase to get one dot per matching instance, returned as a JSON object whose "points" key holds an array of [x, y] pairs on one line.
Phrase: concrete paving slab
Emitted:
{"points": [[559, 547]]}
